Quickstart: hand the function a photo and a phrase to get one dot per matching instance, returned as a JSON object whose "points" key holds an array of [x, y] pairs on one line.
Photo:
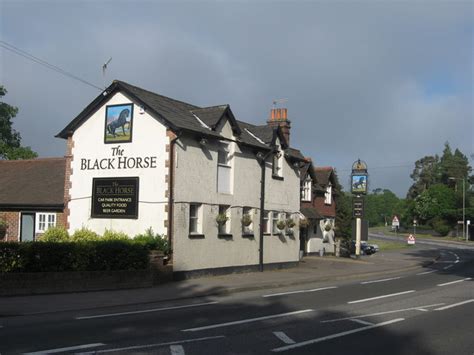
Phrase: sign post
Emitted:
{"points": [[358, 188]]}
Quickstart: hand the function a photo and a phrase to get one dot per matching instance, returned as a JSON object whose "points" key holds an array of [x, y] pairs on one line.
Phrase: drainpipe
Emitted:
{"points": [[261, 159], [171, 192]]}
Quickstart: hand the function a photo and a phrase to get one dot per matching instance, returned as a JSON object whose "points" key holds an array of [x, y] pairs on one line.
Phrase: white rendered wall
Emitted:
{"points": [[196, 182], [148, 140]]}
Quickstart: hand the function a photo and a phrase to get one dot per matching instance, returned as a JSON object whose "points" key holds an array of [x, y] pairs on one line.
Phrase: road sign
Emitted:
{"points": [[411, 240], [395, 222]]}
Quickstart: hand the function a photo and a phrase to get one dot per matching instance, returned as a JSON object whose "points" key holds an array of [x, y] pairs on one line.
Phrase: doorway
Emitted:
{"points": [[27, 228]]}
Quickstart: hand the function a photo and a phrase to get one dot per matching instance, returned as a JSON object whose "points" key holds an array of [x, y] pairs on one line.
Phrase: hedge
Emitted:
{"points": [[73, 256]]}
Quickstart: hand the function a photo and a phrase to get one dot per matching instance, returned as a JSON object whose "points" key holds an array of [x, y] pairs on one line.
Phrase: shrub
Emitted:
{"points": [[84, 234], [113, 235], [55, 234], [440, 226], [153, 241], [71, 256]]}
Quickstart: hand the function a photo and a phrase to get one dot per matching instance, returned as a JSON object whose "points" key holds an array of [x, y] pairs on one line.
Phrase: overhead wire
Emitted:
{"points": [[44, 63]]}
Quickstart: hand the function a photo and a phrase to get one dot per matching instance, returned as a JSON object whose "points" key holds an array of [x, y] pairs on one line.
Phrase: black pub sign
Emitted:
{"points": [[115, 197]]}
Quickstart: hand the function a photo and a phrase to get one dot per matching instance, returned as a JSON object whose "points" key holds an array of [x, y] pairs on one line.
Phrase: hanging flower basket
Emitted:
{"points": [[281, 225], [246, 220], [327, 227], [304, 223], [221, 219], [290, 223]]}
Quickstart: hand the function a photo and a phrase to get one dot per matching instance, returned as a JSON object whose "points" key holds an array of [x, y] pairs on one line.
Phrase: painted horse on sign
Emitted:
{"points": [[121, 121]]}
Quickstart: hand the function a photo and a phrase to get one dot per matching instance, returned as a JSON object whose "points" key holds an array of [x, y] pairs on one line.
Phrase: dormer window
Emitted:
{"points": [[306, 191], [278, 164], [328, 195]]}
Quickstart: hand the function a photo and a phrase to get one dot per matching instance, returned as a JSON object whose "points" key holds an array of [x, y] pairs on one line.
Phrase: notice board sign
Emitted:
{"points": [[358, 207], [115, 197]]}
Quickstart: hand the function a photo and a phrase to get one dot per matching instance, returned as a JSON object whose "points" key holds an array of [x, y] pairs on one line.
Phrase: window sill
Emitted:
{"points": [[267, 233], [225, 236], [196, 236], [276, 177], [248, 235]]}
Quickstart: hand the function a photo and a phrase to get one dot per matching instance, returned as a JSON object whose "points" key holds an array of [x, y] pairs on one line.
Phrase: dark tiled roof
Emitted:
{"points": [[323, 175], [32, 183], [294, 154], [179, 115], [211, 115], [310, 213]]}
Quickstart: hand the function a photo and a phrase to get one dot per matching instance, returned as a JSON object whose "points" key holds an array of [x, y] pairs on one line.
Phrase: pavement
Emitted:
{"points": [[311, 269]]}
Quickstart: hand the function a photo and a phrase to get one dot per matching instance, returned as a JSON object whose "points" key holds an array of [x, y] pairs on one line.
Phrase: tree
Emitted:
{"points": [[10, 139], [425, 174], [343, 211], [453, 165]]}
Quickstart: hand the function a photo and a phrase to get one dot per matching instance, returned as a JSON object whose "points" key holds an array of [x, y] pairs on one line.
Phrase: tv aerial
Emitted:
{"points": [[104, 68]]}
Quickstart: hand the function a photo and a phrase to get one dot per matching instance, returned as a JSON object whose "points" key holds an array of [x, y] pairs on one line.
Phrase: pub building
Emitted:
{"points": [[215, 186]]}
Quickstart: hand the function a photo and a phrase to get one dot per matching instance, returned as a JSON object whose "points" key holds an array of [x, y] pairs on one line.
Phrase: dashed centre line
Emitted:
{"points": [[227, 324], [146, 311], [455, 282], [299, 291], [69, 348], [379, 297], [382, 280], [454, 305]]}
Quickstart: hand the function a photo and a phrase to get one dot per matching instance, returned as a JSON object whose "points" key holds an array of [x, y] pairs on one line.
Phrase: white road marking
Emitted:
{"points": [[427, 272], [382, 280], [155, 345], [360, 321], [383, 296], [419, 308], [454, 282], [448, 267], [146, 311], [247, 320], [59, 350], [457, 260], [300, 291], [454, 305], [177, 350], [284, 338], [338, 335]]}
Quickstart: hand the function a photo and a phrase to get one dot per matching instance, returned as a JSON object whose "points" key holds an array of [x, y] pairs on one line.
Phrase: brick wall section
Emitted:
{"points": [[321, 207], [67, 182], [12, 219]]}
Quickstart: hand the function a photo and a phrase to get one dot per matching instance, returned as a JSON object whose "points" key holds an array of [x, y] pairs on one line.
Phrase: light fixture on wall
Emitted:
{"points": [[141, 110]]}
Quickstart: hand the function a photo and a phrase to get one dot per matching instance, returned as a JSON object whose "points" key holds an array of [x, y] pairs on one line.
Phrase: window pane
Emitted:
{"points": [[223, 179]]}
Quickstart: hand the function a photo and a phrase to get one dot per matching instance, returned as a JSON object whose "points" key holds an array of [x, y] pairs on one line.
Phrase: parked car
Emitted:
{"points": [[365, 248]]}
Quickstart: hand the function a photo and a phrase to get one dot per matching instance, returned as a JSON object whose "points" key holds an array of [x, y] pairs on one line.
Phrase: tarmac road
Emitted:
{"points": [[418, 310]]}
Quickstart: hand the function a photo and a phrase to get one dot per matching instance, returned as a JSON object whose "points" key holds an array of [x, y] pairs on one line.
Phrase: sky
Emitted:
{"points": [[387, 82]]}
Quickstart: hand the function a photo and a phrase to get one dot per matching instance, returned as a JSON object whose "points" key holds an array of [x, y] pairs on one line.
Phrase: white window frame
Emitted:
{"points": [[197, 217], [275, 219], [307, 192], [224, 168], [277, 166], [328, 195], [248, 229], [266, 222], [44, 221]]}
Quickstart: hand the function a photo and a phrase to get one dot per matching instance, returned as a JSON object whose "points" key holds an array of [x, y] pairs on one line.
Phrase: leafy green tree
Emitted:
{"points": [[435, 202], [343, 210], [453, 165], [380, 206], [10, 139], [425, 174]]}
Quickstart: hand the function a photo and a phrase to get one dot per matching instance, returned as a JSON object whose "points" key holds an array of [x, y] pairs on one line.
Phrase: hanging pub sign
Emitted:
{"points": [[359, 178], [115, 197]]}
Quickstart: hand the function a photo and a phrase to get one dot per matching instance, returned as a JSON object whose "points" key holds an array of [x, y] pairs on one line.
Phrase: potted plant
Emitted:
{"points": [[281, 224], [246, 220], [221, 219], [304, 223], [290, 223], [3, 228], [327, 226]]}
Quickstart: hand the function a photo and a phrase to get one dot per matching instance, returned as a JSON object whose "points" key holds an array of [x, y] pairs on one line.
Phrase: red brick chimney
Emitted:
{"points": [[279, 117]]}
